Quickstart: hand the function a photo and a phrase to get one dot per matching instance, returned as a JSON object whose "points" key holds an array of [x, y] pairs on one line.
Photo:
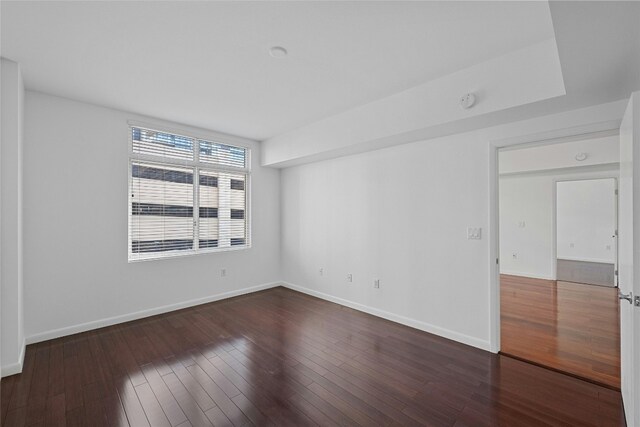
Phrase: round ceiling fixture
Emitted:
{"points": [[467, 100], [581, 156], [277, 52]]}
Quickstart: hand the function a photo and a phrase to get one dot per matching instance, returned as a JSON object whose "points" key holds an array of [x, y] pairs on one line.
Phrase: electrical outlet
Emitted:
{"points": [[514, 255], [321, 271], [376, 283], [223, 272], [349, 278], [474, 233]]}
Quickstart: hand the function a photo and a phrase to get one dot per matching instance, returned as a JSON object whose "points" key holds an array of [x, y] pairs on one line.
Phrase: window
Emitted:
{"points": [[187, 195]]}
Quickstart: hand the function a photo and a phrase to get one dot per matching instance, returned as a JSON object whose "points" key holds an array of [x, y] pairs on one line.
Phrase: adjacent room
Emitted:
{"points": [[276, 213], [558, 245]]}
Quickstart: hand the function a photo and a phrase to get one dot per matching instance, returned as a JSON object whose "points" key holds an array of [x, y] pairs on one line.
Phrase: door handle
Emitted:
{"points": [[628, 297]]}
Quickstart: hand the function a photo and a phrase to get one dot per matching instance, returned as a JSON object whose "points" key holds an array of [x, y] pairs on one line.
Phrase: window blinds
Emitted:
{"points": [[187, 195]]}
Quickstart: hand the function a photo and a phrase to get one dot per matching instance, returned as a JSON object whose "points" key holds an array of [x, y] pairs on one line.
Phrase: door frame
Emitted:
{"points": [[607, 128], [554, 203]]}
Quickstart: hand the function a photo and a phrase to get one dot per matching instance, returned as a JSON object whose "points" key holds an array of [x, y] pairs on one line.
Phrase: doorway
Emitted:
{"points": [[557, 250], [587, 231]]}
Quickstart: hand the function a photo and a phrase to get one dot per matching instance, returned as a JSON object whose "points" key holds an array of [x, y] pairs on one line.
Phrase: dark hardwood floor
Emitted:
{"points": [[279, 357], [571, 327]]}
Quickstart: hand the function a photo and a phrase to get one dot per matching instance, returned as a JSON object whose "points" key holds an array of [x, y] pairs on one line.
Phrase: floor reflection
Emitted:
{"points": [[567, 326], [279, 357]]}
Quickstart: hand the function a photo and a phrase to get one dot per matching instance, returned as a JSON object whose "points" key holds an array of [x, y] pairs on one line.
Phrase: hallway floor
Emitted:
{"points": [[571, 327]]}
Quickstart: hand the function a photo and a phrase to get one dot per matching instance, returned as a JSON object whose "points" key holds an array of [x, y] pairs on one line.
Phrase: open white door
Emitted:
{"points": [[629, 259]]}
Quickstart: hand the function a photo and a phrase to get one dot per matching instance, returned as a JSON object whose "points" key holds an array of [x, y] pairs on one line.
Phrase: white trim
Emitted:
{"points": [[156, 256], [493, 242], [14, 368], [583, 259], [413, 323], [529, 275], [83, 327], [613, 168], [554, 136]]}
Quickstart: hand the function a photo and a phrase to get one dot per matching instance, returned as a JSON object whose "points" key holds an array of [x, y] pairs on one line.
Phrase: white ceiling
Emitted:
{"points": [[599, 47], [206, 63], [597, 44]]}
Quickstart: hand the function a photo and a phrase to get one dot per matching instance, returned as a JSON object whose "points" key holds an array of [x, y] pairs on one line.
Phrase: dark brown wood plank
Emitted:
{"points": [[55, 413], [131, 403], [72, 383], [571, 327], [20, 395], [223, 401], [151, 406], [168, 403], [56, 370], [186, 401], [6, 393], [282, 358]]}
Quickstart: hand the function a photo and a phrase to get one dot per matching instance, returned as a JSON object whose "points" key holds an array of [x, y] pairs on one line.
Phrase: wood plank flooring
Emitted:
{"points": [[279, 357], [572, 327]]}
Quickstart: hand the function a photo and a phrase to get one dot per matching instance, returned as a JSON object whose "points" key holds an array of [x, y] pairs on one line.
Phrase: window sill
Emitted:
{"points": [[183, 254]]}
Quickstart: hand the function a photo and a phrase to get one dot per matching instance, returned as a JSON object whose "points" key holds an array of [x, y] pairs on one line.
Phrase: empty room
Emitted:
{"points": [[297, 213]]}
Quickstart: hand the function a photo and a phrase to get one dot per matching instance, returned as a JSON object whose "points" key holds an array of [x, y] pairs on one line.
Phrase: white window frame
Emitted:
{"points": [[197, 166]]}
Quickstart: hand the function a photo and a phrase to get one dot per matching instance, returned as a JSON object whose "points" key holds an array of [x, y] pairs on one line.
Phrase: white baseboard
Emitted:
{"points": [[529, 275], [417, 324], [16, 367], [594, 260], [83, 327]]}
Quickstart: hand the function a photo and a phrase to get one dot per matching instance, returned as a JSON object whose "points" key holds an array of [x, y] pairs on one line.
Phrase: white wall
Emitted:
{"points": [[527, 219], [75, 218], [586, 220], [11, 271], [398, 215], [401, 214]]}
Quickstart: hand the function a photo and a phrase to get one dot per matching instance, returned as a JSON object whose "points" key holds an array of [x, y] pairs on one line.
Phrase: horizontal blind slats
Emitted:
{"points": [[162, 144], [221, 154], [162, 214]]}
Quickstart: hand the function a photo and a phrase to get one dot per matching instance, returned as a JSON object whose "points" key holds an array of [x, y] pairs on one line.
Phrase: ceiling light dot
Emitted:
{"points": [[277, 52]]}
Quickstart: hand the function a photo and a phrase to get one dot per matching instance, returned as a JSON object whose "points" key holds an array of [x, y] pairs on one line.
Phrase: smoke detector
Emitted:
{"points": [[581, 156], [467, 100]]}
